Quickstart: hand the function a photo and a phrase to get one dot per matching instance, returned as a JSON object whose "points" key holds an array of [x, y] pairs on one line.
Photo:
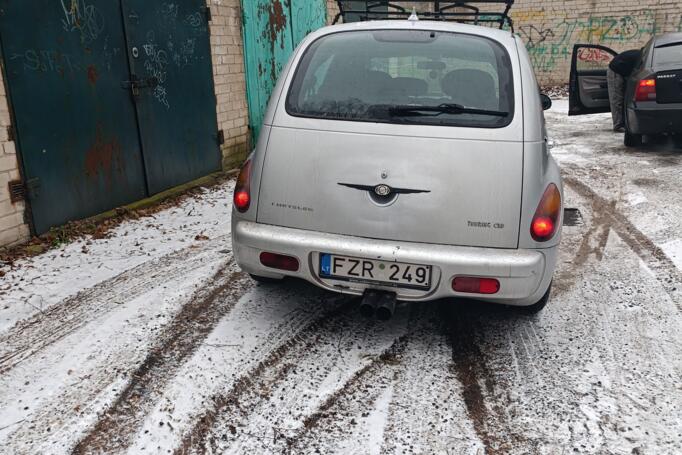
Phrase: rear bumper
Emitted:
{"points": [[661, 119], [524, 275]]}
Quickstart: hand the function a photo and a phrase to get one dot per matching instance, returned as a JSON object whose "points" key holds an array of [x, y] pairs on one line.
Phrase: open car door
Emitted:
{"points": [[588, 91]]}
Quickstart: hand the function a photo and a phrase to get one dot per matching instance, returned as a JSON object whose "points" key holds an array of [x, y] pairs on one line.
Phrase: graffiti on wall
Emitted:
{"points": [[550, 39]]}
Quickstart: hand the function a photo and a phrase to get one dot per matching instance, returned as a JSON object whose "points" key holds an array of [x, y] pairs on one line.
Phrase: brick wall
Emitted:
{"points": [[551, 28], [13, 230], [332, 11], [229, 78]]}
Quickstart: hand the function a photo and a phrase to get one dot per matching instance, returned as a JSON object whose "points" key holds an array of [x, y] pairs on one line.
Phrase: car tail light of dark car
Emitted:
{"points": [[546, 219], [242, 189], [646, 90]]}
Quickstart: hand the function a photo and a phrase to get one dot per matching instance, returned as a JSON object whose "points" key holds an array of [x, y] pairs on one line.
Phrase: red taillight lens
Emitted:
{"points": [[646, 90], [242, 189], [279, 261], [544, 224], [472, 285]]}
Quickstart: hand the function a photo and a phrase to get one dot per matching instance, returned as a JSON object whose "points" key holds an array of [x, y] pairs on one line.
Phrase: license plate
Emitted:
{"points": [[398, 274]]}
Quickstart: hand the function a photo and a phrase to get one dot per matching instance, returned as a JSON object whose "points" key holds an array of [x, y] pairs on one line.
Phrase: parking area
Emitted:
{"points": [[151, 340]]}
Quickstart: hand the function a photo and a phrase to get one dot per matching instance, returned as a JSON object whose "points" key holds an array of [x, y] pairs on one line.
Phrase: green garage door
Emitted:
{"points": [[111, 100], [272, 29]]}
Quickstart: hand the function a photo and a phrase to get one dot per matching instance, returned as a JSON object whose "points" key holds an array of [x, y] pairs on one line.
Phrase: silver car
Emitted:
{"points": [[404, 160]]}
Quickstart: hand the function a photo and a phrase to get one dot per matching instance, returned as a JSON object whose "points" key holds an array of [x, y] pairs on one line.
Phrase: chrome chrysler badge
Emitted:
{"points": [[382, 190]]}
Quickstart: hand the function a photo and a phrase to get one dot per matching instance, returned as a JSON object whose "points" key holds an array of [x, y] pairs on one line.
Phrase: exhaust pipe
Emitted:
{"points": [[386, 306], [369, 303]]}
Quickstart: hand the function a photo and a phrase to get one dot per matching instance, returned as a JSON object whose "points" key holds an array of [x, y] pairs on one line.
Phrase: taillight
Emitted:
{"points": [[546, 219], [279, 261], [242, 189], [646, 90], [473, 285]]}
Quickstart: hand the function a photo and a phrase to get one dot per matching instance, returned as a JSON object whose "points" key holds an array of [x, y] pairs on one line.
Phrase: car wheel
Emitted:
{"points": [[677, 141], [537, 306], [633, 140], [264, 279]]}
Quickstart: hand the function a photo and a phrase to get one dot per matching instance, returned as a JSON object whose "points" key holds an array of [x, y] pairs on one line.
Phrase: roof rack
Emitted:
{"points": [[442, 10]]}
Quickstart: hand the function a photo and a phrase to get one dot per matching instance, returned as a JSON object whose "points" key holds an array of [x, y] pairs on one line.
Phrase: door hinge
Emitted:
{"points": [[17, 191], [221, 137], [207, 13], [10, 133]]}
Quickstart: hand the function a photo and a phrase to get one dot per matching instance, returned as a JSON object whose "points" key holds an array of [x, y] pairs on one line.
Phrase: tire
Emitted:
{"points": [[537, 306], [633, 140], [264, 279], [677, 141]]}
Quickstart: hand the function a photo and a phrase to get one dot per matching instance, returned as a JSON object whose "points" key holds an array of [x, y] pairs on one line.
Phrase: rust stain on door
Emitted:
{"points": [[103, 158], [92, 74]]}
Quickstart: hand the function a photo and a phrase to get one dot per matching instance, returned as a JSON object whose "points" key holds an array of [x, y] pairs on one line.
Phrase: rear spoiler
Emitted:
{"points": [[454, 11]]}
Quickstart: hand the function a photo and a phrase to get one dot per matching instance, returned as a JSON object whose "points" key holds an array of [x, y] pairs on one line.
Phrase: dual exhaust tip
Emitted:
{"points": [[378, 303]]}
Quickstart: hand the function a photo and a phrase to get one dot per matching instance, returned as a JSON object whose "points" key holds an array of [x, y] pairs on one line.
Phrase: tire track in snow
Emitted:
{"points": [[179, 339], [486, 411], [30, 336], [274, 408], [259, 377], [426, 413], [361, 390], [592, 243], [668, 275], [352, 404]]}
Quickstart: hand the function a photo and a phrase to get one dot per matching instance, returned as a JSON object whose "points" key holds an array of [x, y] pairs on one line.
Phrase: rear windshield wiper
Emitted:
{"points": [[445, 108]]}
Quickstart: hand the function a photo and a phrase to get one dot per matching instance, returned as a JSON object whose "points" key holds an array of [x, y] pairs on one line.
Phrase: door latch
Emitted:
{"points": [[135, 84]]}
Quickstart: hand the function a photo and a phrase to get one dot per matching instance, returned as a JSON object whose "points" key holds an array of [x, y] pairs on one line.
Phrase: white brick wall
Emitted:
{"points": [[229, 78], [13, 230], [551, 28]]}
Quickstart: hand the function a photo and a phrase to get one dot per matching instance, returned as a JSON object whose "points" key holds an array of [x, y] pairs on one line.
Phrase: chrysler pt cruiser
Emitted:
{"points": [[406, 159]]}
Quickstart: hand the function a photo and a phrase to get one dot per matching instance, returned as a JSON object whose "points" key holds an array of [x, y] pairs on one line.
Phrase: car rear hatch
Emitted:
{"points": [[406, 135], [668, 66], [457, 192]]}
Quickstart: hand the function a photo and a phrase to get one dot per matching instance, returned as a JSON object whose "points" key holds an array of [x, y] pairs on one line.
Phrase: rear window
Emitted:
{"points": [[389, 75], [670, 54]]}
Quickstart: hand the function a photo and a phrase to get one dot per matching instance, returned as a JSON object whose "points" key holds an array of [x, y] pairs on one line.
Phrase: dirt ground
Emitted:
{"points": [[152, 341]]}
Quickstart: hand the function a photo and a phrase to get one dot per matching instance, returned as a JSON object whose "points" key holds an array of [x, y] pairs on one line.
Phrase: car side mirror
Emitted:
{"points": [[546, 101]]}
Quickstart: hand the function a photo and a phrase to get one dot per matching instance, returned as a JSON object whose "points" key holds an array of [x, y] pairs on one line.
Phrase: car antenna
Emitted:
{"points": [[413, 17]]}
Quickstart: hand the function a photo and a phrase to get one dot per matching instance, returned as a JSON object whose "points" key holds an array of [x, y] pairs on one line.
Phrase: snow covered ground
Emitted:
{"points": [[152, 340]]}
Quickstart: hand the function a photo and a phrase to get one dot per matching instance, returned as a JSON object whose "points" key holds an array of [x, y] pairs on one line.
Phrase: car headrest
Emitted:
{"points": [[470, 87], [410, 85]]}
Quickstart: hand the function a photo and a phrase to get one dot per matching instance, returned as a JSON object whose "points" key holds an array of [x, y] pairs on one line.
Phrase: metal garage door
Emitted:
{"points": [[272, 29], [99, 121]]}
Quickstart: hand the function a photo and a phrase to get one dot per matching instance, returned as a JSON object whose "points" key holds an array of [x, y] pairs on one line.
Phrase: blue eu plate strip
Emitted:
{"points": [[325, 264]]}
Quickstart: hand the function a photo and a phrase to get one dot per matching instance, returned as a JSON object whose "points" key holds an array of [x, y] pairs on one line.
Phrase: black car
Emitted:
{"points": [[653, 95]]}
